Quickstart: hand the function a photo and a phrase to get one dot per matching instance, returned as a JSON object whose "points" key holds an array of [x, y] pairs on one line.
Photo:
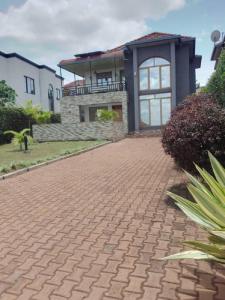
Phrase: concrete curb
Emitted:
{"points": [[31, 168]]}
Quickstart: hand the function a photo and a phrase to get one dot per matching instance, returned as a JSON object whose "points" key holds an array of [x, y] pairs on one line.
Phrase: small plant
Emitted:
{"points": [[36, 114], [19, 138], [208, 211], [104, 115]]}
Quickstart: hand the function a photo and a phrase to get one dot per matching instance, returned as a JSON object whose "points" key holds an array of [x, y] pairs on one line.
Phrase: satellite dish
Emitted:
{"points": [[215, 36]]}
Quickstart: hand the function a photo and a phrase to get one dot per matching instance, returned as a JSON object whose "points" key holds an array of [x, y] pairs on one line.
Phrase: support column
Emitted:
{"points": [[136, 98], [173, 74]]}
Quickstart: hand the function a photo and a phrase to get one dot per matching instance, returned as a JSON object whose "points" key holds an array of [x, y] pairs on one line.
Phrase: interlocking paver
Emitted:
{"points": [[93, 227]]}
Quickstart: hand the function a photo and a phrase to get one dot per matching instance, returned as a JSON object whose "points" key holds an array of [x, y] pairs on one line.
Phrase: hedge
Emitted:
{"points": [[11, 118]]}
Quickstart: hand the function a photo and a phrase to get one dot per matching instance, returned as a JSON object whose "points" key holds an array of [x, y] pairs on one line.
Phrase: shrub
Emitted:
{"points": [[104, 115], [196, 126], [208, 211], [13, 118], [216, 84], [55, 118]]}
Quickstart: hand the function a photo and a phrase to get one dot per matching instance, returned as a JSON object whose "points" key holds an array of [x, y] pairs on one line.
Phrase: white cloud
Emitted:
{"points": [[57, 29]]}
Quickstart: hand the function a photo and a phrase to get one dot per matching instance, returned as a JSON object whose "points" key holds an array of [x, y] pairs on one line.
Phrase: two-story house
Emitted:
{"points": [[31, 81], [155, 72], [142, 80]]}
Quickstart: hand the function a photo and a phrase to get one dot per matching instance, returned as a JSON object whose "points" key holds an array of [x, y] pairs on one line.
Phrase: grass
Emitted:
{"points": [[12, 159]]}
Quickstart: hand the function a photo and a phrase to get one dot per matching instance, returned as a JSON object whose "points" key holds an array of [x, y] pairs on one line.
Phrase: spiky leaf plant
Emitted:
{"points": [[208, 211], [18, 136]]}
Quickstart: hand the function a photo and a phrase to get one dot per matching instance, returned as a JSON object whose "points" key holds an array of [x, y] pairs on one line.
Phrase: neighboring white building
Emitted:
{"points": [[31, 81]]}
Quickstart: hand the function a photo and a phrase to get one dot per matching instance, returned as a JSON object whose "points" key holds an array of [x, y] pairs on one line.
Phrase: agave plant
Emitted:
{"points": [[208, 211], [19, 136]]}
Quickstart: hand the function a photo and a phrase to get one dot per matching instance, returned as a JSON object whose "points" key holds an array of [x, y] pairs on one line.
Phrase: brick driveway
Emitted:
{"points": [[93, 227]]}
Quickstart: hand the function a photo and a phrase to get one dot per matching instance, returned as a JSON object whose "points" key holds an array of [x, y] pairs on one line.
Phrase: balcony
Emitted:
{"points": [[95, 88]]}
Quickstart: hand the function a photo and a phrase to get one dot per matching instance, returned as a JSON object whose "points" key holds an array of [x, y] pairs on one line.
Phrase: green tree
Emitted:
{"points": [[19, 136], [7, 94], [216, 83]]}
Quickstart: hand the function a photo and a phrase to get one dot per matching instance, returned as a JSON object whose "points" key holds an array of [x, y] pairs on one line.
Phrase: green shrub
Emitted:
{"points": [[216, 84], [12, 118], [196, 126], [104, 115], [208, 211]]}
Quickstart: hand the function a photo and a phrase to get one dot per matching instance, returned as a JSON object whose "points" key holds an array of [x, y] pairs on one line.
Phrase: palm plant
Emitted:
{"points": [[208, 211], [19, 136]]}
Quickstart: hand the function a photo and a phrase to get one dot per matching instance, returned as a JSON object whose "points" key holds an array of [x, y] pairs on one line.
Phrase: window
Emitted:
{"points": [[154, 74], [89, 113], [57, 94], [155, 109], [29, 84], [104, 78], [51, 97]]}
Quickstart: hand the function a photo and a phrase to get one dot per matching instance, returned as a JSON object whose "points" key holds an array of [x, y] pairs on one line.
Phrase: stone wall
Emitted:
{"points": [[79, 131], [70, 113]]}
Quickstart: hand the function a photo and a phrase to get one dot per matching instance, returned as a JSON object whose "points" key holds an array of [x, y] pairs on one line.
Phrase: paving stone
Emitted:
{"points": [[94, 227]]}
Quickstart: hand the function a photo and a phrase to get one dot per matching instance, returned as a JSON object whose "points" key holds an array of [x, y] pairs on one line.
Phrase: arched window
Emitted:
{"points": [[51, 97], [154, 74]]}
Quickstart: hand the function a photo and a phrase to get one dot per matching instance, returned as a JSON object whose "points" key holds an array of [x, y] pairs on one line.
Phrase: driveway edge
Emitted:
{"points": [[49, 162]]}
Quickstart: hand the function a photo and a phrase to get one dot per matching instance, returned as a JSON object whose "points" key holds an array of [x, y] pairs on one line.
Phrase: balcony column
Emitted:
{"points": [[90, 72], [173, 74], [136, 98], [115, 67]]}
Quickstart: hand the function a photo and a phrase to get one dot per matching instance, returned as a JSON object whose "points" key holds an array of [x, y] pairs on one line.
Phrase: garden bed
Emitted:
{"points": [[12, 159]]}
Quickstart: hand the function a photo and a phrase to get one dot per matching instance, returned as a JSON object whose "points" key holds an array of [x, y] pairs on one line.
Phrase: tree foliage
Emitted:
{"points": [[36, 114], [7, 94], [216, 83]]}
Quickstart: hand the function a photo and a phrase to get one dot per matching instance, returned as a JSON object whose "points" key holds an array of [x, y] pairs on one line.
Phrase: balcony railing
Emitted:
{"points": [[94, 88]]}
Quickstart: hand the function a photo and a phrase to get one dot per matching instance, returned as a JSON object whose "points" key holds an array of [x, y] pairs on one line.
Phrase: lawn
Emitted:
{"points": [[12, 159]]}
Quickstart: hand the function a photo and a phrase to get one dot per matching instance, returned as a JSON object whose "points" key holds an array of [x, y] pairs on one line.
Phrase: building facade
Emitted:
{"points": [[31, 81], [157, 71]]}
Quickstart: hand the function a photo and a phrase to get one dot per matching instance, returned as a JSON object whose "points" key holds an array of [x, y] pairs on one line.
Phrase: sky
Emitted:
{"points": [[47, 31]]}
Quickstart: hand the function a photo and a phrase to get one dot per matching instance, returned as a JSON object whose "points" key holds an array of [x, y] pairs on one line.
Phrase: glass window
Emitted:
{"points": [[143, 79], [118, 109], [104, 78], [82, 113], [155, 109], [165, 76], [155, 112], [51, 97], [144, 108], [58, 94], [154, 73], [29, 85], [166, 110], [154, 78]]}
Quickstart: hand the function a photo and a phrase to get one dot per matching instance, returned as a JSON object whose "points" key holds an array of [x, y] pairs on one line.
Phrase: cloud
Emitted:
{"points": [[52, 30]]}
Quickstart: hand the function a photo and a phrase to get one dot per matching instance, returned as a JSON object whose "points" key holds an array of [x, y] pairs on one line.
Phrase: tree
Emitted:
{"points": [[216, 83], [19, 137], [7, 94]]}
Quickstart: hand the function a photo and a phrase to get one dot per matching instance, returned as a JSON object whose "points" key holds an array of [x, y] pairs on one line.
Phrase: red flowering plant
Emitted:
{"points": [[196, 126]]}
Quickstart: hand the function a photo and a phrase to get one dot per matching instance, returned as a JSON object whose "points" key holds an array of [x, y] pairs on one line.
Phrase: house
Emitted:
{"points": [[142, 80], [31, 81], [217, 50]]}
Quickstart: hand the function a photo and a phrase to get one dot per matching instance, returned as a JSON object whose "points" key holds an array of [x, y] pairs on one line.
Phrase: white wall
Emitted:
{"points": [[13, 70]]}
